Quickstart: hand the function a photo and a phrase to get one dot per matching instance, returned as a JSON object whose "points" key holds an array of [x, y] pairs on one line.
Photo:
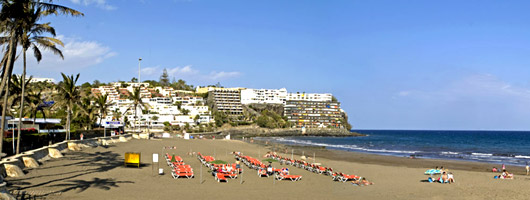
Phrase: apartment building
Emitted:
{"points": [[130, 84], [44, 80], [227, 100], [189, 100], [326, 97], [313, 114], [272, 96], [110, 91]]}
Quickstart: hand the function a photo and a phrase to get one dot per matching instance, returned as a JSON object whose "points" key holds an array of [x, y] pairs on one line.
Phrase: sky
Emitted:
{"points": [[396, 64]]}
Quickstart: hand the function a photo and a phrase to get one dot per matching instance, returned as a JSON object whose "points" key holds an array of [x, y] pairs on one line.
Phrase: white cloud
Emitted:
{"points": [[99, 3], [480, 101], [77, 53], [475, 86], [149, 70], [223, 75], [404, 93], [176, 71]]}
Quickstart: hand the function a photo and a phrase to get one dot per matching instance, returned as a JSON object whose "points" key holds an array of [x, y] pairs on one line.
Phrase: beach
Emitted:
{"points": [[99, 173]]}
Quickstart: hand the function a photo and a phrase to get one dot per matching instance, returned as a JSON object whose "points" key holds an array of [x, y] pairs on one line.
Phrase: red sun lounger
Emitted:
{"points": [[220, 177]]}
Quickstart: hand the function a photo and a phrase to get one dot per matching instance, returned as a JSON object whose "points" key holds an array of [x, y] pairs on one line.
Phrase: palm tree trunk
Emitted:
{"points": [[67, 123], [8, 67], [135, 115], [21, 114], [4, 85], [4, 110], [100, 118]]}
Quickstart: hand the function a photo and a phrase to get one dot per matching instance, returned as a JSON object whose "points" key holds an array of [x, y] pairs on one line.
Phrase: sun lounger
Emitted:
{"points": [[288, 177], [177, 174], [349, 178], [220, 177], [230, 175], [262, 173]]}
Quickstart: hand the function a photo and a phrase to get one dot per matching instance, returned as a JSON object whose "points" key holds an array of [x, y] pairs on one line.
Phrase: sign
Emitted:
{"points": [[155, 157], [113, 124], [132, 158]]}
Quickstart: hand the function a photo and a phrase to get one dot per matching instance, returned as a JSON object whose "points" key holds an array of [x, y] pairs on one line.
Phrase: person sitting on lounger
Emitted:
{"points": [[362, 181], [450, 177], [506, 175], [269, 169], [494, 169], [214, 172], [443, 178]]}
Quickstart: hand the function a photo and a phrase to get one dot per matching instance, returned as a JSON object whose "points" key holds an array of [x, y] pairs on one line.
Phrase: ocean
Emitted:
{"points": [[508, 147]]}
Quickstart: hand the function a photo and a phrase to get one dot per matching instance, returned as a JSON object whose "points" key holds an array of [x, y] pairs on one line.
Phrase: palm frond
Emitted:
{"points": [[55, 9]]}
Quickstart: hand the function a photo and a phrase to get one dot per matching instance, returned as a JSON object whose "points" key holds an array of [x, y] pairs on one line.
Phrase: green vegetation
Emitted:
{"points": [[220, 118], [164, 78], [272, 120]]}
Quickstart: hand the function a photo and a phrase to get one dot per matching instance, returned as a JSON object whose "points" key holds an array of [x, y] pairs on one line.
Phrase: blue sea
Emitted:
{"points": [[508, 147]]}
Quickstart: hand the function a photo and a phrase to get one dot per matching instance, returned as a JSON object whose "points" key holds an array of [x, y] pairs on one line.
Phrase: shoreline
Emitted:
{"points": [[384, 160], [253, 131]]}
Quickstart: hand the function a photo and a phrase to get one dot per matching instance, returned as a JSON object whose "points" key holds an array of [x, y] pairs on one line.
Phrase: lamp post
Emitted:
{"points": [[139, 68]]}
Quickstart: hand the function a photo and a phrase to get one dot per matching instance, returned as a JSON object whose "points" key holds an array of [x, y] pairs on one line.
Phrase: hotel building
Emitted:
{"points": [[273, 96], [313, 114], [227, 100]]}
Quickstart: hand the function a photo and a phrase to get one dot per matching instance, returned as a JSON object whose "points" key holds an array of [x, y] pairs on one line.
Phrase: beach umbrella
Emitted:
{"points": [[270, 160], [219, 162]]}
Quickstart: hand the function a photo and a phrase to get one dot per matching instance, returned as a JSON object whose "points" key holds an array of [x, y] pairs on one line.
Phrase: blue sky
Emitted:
{"points": [[392, 64]]}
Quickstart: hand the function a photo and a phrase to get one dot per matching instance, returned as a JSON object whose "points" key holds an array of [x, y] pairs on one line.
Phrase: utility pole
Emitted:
{"points": [[139, 69]]}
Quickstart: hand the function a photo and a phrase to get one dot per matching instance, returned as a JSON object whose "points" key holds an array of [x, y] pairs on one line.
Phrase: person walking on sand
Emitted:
{"points": [[503, 166], [527, 168]]}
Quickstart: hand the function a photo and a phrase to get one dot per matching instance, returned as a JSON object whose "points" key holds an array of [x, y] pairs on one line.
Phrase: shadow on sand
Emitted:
{"points": [[87, 163]]}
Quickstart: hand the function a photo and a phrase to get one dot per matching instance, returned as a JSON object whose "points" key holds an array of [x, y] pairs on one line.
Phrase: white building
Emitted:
{"points": [[326, 97], [276, 96], [189, 100], [110, 91], [45, 80], [130, 84]]}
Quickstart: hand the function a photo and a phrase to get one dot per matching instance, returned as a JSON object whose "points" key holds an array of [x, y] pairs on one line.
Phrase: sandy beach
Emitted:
{"points": [[98, 173]]}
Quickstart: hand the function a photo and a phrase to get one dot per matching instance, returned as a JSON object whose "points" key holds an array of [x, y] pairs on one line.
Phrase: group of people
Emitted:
{"points": [[505, 174], [445, 176]]}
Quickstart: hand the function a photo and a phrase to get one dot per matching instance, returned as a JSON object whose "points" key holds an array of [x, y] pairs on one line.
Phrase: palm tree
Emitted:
{"points": [[36, 104], [116, 115], [178, 104], [32, 38], [68, 95], [102, 105], [15, 90], [16, 18], [137, 101], [88, 112]]}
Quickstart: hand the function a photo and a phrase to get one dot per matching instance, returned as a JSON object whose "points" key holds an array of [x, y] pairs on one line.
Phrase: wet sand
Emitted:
{"points": [[98, 173]]}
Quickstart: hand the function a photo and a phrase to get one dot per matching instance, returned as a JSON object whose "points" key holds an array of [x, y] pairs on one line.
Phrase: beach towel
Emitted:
{"points": [[433, 171]]}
